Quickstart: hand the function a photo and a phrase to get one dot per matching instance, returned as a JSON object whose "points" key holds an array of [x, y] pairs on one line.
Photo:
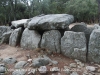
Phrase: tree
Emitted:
{"points": [[99, 9]]}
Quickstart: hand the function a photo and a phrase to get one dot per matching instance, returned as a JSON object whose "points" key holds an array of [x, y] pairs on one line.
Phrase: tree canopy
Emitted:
{"points": [[82, 10]]}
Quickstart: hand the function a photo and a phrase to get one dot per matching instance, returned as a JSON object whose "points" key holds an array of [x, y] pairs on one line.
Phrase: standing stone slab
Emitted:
{"points": [[73, 44], [51, 40], [94, 46], [15, 37], [30, 39], [5, 37], [4, 29]]}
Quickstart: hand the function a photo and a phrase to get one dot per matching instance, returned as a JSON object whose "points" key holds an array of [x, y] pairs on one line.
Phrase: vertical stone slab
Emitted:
{"points": [[15, 37], [51, 40], [94, 46], [30, 39], [73, 44]]}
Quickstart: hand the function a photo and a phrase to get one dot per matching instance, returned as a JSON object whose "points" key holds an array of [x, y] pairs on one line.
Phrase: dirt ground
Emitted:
{"points": [[20, 55]]}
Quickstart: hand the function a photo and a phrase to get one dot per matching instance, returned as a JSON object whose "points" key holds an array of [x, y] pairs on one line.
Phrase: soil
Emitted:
{"points": [[20, 55]]}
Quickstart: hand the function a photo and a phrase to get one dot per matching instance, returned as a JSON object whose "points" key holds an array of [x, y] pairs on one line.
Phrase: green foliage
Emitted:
{"points": [[83, 10], [86, 10]]}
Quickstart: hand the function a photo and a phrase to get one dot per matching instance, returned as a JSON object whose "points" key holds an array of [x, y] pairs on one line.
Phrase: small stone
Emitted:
{"points": [[67, 71], [76, 60], [99, 70], [85, 72], [79, 66], [50, 64], [29, 60], [73, 65], [1, 59], [55, 62], [65, 67], [55, 69], [53, 74], [52, 55], [28, 56], [43, 69], [74, 73], [59, 73], [33, 72], [90, 68]]}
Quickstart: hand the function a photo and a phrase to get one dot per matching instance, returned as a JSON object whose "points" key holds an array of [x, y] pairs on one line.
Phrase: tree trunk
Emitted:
{"points": [[99, 10]]}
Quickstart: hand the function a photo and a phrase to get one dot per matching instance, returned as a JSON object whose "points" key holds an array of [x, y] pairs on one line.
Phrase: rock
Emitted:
{"points": [[90, 68], [96, 26], [67, 71], [79, 27], [37, 62], [20, 64], [55, 62], [50, 64], [33, 72], [2, 69], [80, 64], [3, 29], [74, 73], [1, 59], [51, 22], [15, 37], [73, 44], [73, 65], [83, 28], [51, 41], [5, 37], [9, 60], [43, 70], [26, 23], [94, 47], [98, 70], [76, 60], [19, 72], [85, 72], [18, 23], [30, 39], [29, 60], [54, 69]]}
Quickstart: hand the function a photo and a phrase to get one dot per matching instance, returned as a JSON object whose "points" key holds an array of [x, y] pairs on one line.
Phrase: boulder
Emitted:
{"points": [[79, 28], [51, 41], [73, 44], [5, 37], [37, 62], [30, 39], [18, 23], [50, 22], [15, 37], [3, 29], [94, 46], [2, 69], [20, 64], [9, 60], [19, 72]]}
